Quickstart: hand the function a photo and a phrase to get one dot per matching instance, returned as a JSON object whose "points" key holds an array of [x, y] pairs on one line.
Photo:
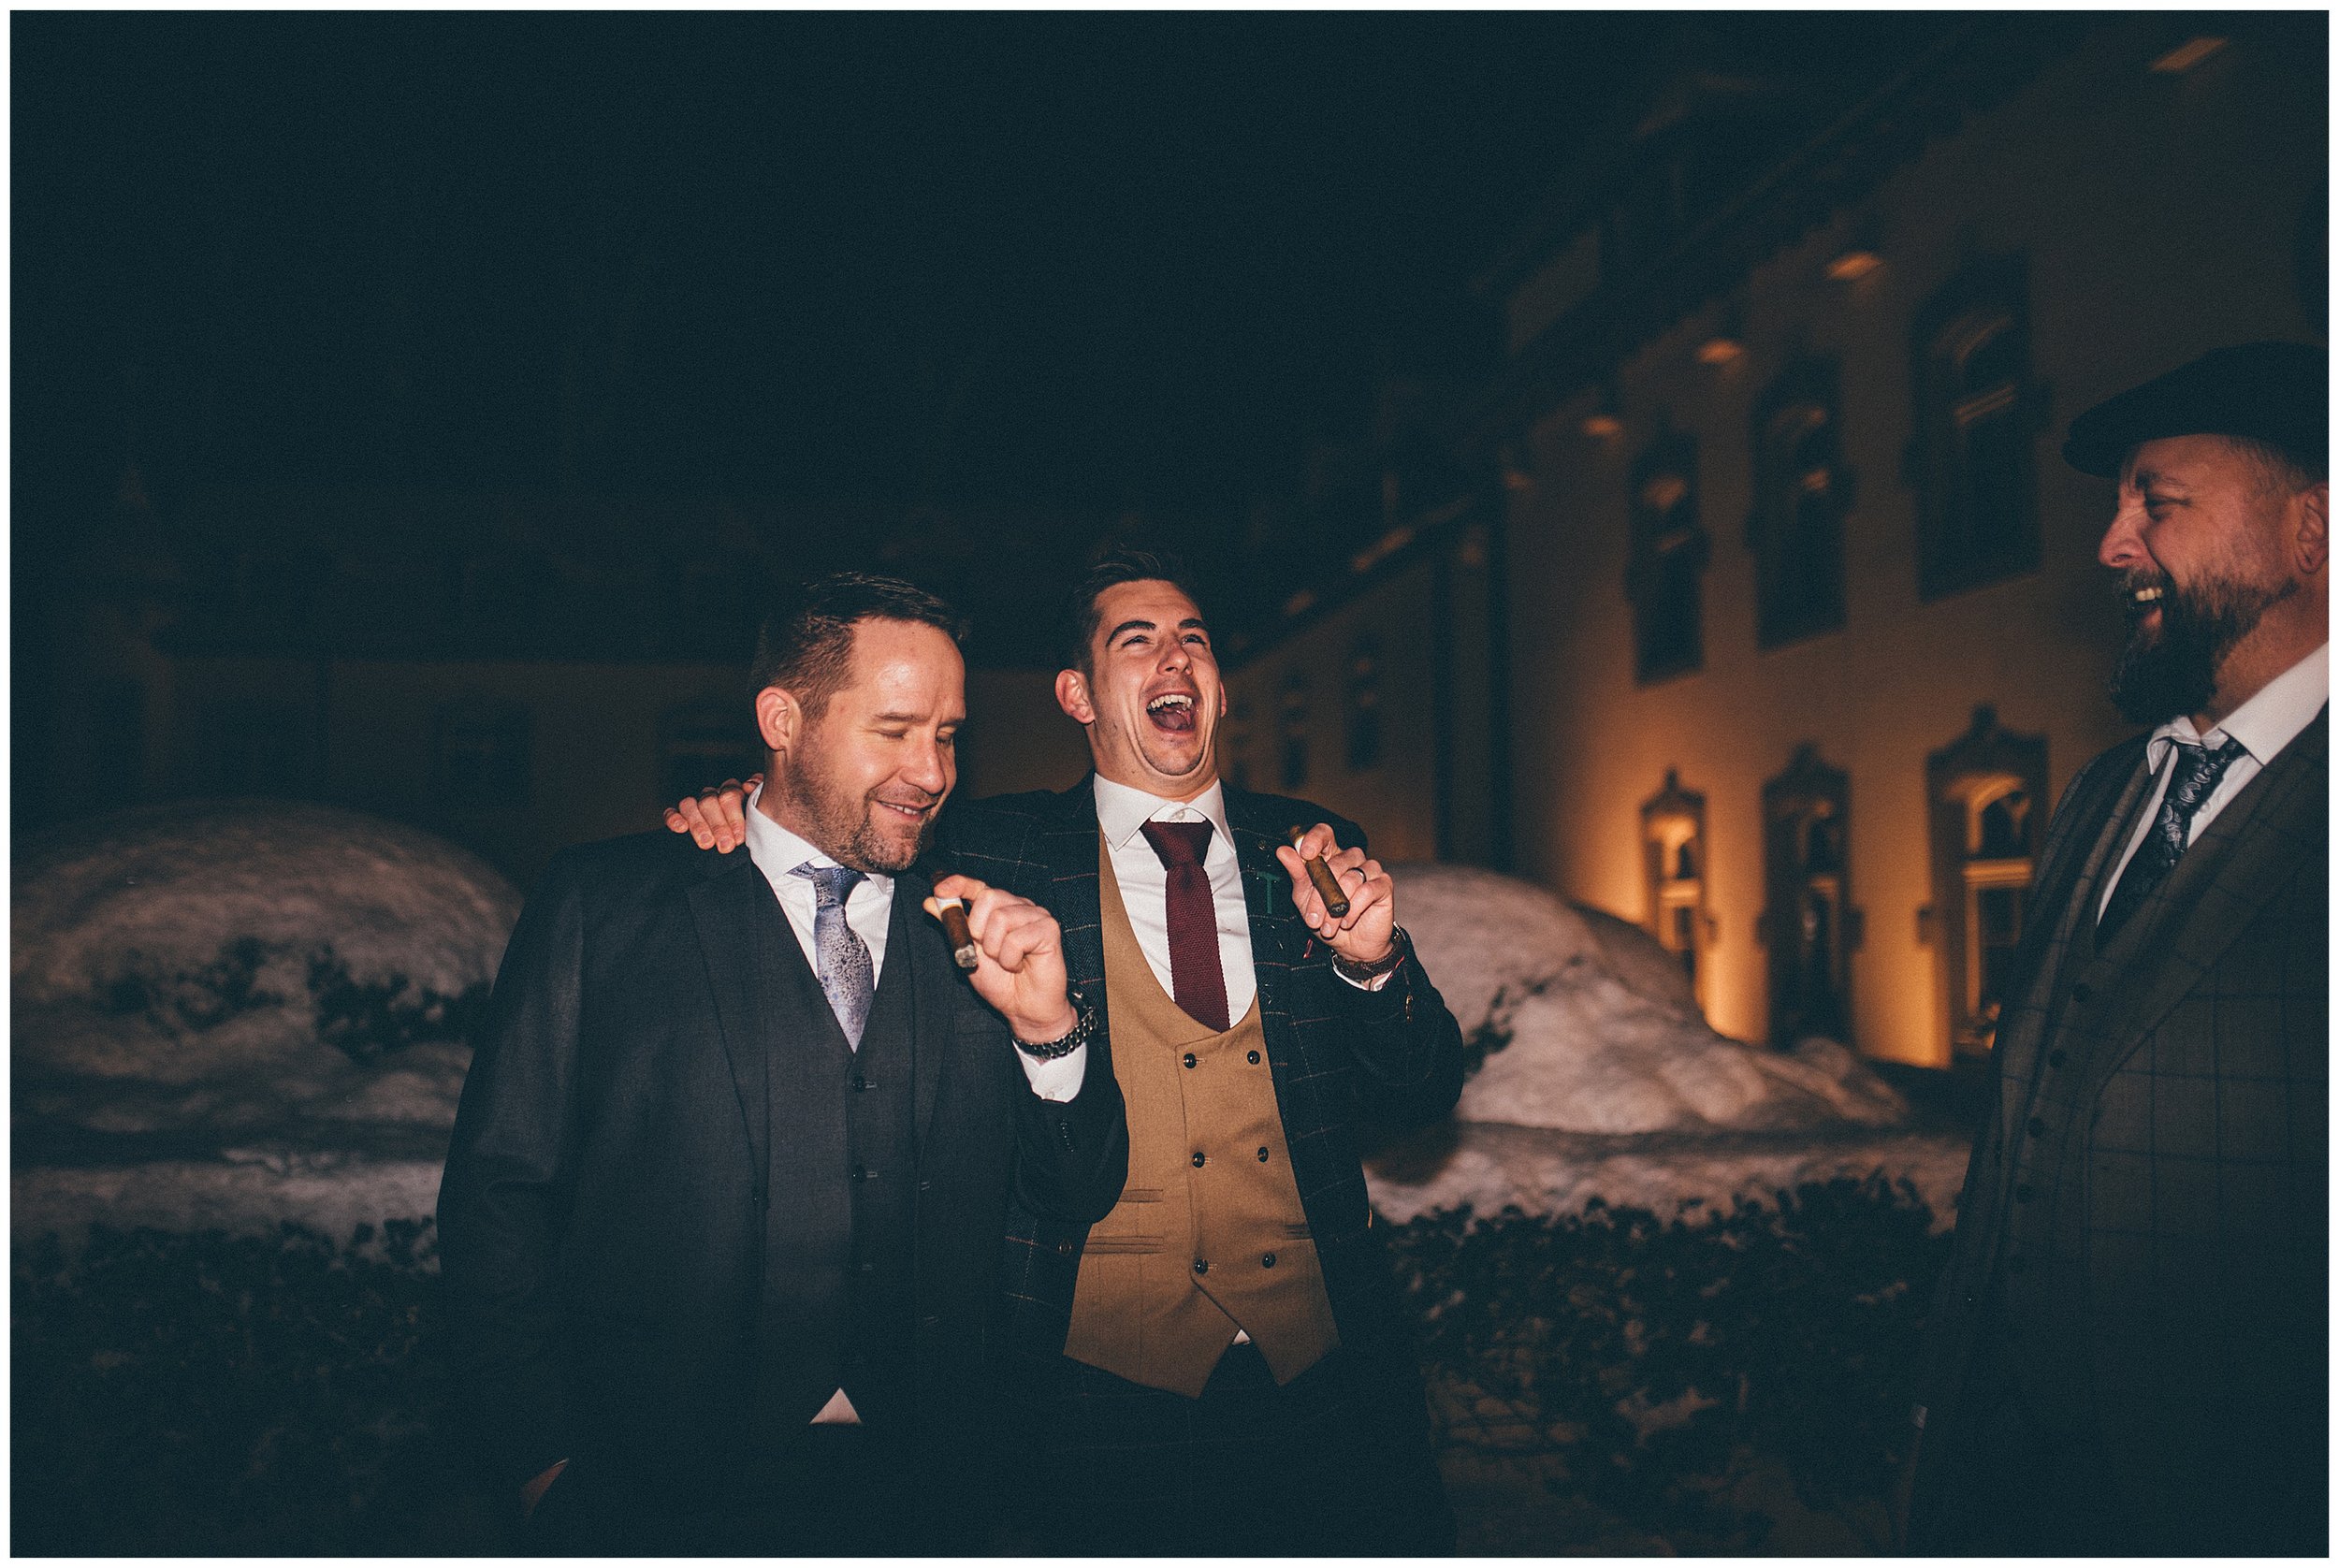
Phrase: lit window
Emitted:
{"points": [[1669, 558], [705, 744], [1801, 494], [1292, 728], [1364, 704], [1809, 927], [1987, 791], [1978, 414], [1673, 855]]}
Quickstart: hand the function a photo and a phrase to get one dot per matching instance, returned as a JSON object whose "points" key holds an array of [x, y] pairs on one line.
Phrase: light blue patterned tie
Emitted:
{"points": [[2192, 782], [846, 975]]}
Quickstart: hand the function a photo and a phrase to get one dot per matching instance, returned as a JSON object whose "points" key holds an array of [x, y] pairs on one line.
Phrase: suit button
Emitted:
{"points": [[1064, 1249], [1202, 1265], [2038, 1127], [2056, 1058], [1267, 1260], [1262, 1153], [2023, 1193], [2081, 992], [859, 1084], [1199, 1159], [1254, 1058], [856, 1171], [1189, 1058]]}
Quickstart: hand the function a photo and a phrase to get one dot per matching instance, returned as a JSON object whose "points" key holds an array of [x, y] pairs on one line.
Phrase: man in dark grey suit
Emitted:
{"points": [[721, 1227], [2128, 1354]]}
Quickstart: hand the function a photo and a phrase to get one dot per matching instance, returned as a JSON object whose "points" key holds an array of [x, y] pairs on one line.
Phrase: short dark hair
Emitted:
{"points": [[2278, 470], [806, 642], [1077, 628]]}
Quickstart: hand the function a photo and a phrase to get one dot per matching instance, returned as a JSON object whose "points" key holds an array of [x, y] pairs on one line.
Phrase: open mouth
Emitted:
{"points": [[902, 812], [1173, 712], [2142, 601]]}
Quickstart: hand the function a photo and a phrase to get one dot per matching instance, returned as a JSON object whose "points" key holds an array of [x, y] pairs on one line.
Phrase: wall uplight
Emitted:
{"points": [[1602, 426], [1854, 264], [2184, 56], [1720, 350]]}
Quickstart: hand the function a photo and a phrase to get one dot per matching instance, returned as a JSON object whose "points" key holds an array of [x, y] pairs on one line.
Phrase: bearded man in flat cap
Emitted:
{"points": [[2128, 1354]]}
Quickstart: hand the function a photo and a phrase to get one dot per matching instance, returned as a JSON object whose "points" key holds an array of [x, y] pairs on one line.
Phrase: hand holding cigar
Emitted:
{"points": [[1013, 951], [1347, 899], [1327, 885]]}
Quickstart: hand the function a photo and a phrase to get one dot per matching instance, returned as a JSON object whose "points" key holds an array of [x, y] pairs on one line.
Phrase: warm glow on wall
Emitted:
{"points": [[2184, 56], [1602, 426], [1719, 351], [1854, 264]]}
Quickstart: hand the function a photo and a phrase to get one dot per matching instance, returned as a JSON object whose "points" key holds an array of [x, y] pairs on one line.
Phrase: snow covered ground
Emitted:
{"points": [[230, 1014], [233, 1013], [1601, 1079]]}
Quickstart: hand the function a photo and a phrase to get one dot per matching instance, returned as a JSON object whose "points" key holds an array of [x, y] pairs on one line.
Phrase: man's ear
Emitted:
{"points": [[778, 718], [1071, 695], [2310, 539]]}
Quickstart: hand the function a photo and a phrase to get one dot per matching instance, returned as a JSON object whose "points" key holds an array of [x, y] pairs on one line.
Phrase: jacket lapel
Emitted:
{"points": [[2218, 887], [931, 969], [1066, 855], [723, 907]]}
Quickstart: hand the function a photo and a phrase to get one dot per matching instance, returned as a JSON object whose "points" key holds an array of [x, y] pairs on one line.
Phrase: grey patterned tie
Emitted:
{"points": [[2190, 782], [846, 975]]}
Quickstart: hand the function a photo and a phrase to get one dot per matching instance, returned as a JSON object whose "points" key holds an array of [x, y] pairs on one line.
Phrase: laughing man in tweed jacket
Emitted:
{"points": [[2128, 1354]]}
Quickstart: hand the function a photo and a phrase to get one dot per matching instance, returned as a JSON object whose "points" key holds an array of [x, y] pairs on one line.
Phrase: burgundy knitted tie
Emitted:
{"points": [[1195, 978]]}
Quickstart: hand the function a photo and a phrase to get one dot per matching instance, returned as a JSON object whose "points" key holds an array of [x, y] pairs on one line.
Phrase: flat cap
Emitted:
{"points": [[2277, 393]]}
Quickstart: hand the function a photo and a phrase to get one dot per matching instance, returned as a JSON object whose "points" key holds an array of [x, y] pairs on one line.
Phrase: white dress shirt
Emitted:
{"points": [[2269, 721], [1122, 813]]}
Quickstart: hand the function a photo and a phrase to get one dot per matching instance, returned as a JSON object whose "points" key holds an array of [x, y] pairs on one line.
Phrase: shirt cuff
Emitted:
{"points": [[1058, 1080], [1376, 983]]}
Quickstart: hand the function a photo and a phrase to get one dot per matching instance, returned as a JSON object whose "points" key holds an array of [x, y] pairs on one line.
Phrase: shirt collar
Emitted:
{"points": [[1122, 812], [778, 851], [2269, 721]]}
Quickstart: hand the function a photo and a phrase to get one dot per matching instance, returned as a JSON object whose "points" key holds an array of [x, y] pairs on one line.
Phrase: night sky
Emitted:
{"points": [[1069, 269]]}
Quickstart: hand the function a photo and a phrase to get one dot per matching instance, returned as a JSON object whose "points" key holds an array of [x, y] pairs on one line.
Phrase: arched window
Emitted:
{"points": [[1809, 927], [1987, 792], [1667, 560], [704, 743], [1977, 415], [1801, 493], [1292, 729], [1363, 694], [483, 754], [1673, 855]]}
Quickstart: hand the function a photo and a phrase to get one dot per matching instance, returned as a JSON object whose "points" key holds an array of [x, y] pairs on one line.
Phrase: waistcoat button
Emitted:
{"points": [[1198, 1158], [1255, 1058], [1064, 1249], [1262, 1153], [859, 1083], [1189, 1058], [857, 1172], [1202, 1265], [1267, 1260]]}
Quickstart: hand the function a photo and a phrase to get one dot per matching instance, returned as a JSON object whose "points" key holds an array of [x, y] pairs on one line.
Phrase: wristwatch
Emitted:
{"points": [[1067, 1043], [1365, 974]]}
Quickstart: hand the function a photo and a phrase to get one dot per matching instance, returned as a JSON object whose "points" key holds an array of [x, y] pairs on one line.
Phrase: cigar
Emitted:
{"points": [[1327, 885], [951, 912]]}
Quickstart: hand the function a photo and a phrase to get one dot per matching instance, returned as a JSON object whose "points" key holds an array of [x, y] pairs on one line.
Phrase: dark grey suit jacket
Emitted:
{"points": [[632, 1173], [2147, 1205]]}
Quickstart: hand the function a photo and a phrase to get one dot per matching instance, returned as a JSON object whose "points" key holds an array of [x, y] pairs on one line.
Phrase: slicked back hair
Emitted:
{"points": [[1077, 626], [806, 642]]}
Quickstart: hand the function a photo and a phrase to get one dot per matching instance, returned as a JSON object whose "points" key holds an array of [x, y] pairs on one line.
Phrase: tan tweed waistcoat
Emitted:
{"points": [[1209, 1236]]}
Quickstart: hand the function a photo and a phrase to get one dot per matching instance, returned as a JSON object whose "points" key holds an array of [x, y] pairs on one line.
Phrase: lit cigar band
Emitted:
{"points": [[951, 912], [1327, 885]]}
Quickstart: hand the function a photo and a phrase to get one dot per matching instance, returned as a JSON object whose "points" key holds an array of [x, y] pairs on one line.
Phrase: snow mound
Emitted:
{"points": [[1589, 1026], [211, 998]]}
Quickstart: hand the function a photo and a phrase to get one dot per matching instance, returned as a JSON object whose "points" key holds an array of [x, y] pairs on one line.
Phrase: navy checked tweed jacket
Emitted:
{"points": [[2147, 1204], [1344, 1059]]}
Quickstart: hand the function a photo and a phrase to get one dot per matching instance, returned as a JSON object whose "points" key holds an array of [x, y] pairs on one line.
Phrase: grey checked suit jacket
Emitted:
{"points": [[2147, 1204]]}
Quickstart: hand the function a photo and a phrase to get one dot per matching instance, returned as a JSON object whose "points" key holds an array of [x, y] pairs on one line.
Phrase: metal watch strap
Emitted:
{"points": [[1065, 1044]]}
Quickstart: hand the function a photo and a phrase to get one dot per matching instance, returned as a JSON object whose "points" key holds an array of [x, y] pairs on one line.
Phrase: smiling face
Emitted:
{"points": [[2199, 545], [1151, 698], [864, 781]]}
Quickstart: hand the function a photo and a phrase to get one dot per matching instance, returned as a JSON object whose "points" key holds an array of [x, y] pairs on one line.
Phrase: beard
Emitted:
{"points": [[843, 824], [2174, 670]]}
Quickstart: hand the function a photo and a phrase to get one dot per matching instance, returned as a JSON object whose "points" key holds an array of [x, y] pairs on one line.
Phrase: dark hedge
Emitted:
{"points": [[210, 1394]]}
